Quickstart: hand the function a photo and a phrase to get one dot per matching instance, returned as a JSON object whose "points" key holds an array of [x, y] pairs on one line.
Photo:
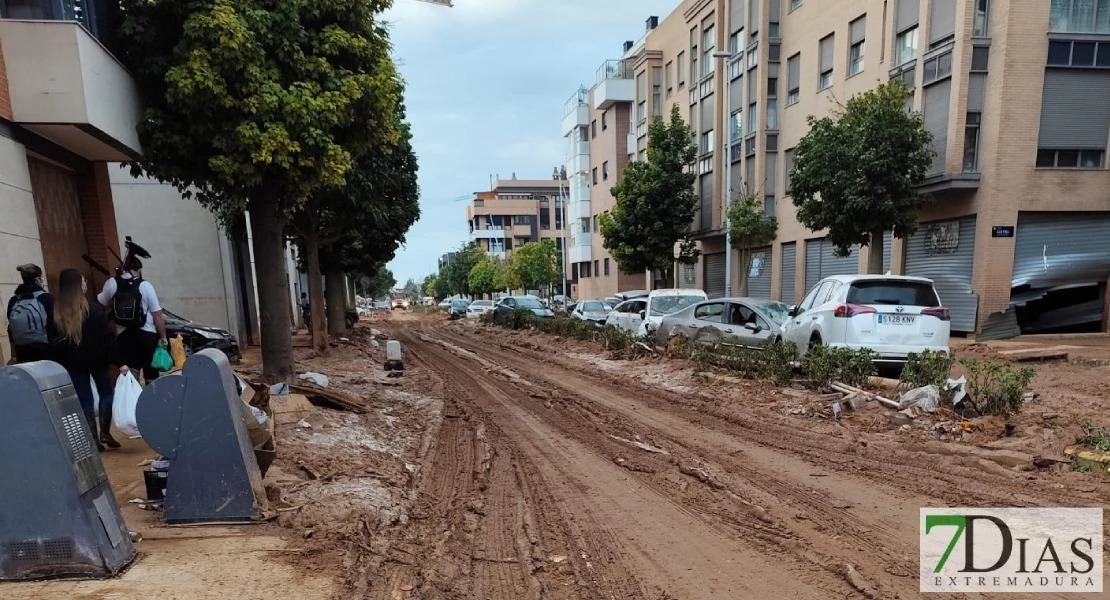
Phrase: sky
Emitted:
{"points": [[486, 81]]}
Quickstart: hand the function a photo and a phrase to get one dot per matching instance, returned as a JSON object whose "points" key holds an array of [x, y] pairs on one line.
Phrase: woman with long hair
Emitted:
{"points": [[85, 345]]}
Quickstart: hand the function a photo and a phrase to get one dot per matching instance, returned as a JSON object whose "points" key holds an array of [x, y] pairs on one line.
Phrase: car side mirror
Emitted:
{"points": [[753, 327], [643, 315], [794, 311]]}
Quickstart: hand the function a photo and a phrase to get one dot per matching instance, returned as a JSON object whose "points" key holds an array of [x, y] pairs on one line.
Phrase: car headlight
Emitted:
{"points": [[209, 335]]}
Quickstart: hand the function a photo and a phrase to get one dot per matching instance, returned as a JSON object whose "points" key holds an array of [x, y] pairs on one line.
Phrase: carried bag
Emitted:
{"points": [[162, 360], [27, 320], [177, 351], [127, 303], [124, 403]]}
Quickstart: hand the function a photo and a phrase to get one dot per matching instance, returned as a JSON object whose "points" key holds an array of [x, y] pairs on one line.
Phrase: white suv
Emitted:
{"points": [[891, 315]]}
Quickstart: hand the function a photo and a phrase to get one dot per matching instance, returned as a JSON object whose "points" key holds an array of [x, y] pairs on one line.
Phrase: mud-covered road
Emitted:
{"points": [[552, 478]]}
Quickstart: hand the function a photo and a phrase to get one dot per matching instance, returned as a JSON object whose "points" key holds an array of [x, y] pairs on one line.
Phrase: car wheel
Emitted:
{"points": [[814, 341]]}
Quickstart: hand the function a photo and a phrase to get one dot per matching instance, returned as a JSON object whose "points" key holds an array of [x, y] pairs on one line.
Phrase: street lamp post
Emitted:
{"points": [[727, 153]]}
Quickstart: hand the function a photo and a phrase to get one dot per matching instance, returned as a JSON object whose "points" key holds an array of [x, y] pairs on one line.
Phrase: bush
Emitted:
{"points": [[996, 388], [779, 357], [1095, 436], [824, 364], [615, 338], [927, 368]]}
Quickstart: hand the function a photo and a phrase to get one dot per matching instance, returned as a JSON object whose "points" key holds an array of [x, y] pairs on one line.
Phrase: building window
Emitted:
{"points": [[753, 58], [574, 271], [585, 270], [769, 205], [795, 4], [749, 148], [1070, 159], [825, 69], [772, 113], [971, 142], [772, 87], [593, 129], [708, 45], [751, 118], [937, 68], [606, 267], [668, 76], [595, 224], [734, 43], [980, 56], [605, 171], [1066, 53], [735, 68], [604, 120], [1080, 16], [641, 111], [706, 142], [597, 271], [679, 62], [736, 125], [657, 91], [774, 53], [595, 175], [584, 223], [982, 14], [793, 70], [858, 31], [905, 46]]}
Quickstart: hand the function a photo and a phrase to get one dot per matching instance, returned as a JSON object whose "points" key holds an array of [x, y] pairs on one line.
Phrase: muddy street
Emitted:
{"points": [[554, 475]]}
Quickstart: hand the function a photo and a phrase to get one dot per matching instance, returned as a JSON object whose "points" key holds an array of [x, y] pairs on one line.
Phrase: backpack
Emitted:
{"points": [[27, 320], [127, 303]]}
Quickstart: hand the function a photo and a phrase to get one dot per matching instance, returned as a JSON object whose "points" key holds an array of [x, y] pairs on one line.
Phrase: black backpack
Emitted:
{"points": [[127, 304]]}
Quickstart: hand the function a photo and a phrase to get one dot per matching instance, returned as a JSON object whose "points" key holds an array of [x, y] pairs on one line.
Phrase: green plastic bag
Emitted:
{"points": [[162, 361]]}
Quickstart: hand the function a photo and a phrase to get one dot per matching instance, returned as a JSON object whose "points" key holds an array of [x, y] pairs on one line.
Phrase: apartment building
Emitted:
{"points": [[515, 212], [1015, 234]]}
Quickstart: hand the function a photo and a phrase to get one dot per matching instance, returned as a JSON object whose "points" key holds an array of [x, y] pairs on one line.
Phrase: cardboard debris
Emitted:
{"points": [[1035, 354], [289, 408]]}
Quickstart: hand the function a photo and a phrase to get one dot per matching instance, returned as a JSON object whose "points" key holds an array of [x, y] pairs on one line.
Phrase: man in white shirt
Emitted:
{"points": [[135, 307]]}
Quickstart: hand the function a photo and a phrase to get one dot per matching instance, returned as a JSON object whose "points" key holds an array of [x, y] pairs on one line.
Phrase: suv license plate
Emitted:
{"points": [[885, 319]]}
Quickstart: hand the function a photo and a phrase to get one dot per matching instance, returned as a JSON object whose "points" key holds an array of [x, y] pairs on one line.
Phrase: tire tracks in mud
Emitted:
{"points": [[861, 512]]}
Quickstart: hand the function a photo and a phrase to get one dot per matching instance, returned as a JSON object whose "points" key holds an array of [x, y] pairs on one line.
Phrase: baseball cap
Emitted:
{"points": [[30, 269]]}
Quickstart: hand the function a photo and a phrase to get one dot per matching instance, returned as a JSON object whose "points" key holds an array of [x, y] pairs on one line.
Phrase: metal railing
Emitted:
{"points": [[614, 69], [576, 99]]}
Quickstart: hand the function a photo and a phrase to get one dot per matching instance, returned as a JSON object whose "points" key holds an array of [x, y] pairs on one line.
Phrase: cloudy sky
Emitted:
{"points": [[486, 83]]}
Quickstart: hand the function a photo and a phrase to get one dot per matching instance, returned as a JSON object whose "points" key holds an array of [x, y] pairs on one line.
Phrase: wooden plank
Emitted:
{"points": [[330, 398], [1032, 354]]}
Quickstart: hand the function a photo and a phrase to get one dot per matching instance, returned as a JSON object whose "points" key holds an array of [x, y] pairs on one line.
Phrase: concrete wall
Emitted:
{"points": [[191, 264], [19, 231]]}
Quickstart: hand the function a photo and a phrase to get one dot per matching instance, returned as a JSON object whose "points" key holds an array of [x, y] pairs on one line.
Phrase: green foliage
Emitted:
{"points": [[376, 285], [248, 96], [780, 357], [824, 364], [655, 200], [1095, 436], [856, 173], [412, 289], [483, 278], [535, 265], [996, 388], [749, 227], [454, 277], [430, 286], [927, 368]]}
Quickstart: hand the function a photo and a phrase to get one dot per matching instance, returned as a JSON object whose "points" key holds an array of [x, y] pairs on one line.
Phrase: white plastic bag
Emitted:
{"points": [[124, 403]]}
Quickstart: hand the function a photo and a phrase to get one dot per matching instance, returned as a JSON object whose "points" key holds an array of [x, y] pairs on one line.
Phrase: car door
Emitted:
{"points": [[615, 316], [799, 327], [706, 324], [630, 319], [747, 327]]}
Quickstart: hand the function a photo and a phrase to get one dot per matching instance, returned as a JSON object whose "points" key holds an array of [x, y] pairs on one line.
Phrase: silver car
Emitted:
{"points": [[594, 311], [747, 322]]}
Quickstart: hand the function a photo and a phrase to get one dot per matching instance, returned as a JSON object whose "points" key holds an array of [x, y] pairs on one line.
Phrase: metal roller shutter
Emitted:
{"points": [[789, 268], [944, 251], [1054, 249], [821, 262], [714, 275], [759, 275], [687, 276]]}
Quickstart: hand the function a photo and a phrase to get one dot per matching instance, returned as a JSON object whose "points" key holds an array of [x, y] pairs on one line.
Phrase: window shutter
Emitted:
{"points": [[793, 69], [907, 14], [827, 44], [936, 120], [1075, 109], [942, 19], [859, 30]]}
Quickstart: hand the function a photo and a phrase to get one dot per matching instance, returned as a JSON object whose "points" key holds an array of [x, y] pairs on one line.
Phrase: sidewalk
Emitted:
{"points": [[244, 562]]}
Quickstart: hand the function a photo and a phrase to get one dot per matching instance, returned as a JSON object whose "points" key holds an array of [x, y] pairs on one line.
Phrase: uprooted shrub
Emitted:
{"points": [[1095, 436], [825, 364], [996, 388], [927, 368]]}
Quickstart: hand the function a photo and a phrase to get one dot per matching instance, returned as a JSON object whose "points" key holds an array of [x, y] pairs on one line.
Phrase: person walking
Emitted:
{"points": [[134, 306], [30, 317], [306, 312], [85, 344]]}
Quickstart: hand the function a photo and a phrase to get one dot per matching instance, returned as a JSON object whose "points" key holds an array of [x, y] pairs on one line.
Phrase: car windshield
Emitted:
{"points": [[459, 303], [776, 311], [595, 306], [531, 303], [481, 303], [668, 305], [893, 293]]}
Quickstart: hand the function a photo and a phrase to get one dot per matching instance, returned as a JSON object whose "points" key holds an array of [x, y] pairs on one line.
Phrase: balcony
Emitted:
{"points": [[576, 112], [614, 84], [489, 232], [580, 250], [67, 87], [578, 164], [632, 146]]}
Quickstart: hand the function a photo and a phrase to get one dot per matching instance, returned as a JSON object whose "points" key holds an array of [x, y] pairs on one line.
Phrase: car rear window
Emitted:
{"points": [[905, 293]]}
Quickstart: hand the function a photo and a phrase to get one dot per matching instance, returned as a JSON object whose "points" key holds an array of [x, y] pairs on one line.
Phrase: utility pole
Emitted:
{"points": [[727, 154]]}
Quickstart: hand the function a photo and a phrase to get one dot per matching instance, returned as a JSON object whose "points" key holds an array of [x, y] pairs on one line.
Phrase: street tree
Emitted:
{"points": [[456, 273], [359, 225], [535, 265], [856, 173], [412, 290], [253, 106], [655, 200], [377, 284], [749, 227], [430, 286], [483, 276]]}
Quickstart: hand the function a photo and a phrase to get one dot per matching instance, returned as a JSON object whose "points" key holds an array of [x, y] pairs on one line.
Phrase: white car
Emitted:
{"points": [[642, 316], [479, 308], [892, 315]]}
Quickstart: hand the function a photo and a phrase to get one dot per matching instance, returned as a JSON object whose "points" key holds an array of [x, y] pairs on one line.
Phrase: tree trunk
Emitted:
{"points": [[268, 233], [335, 288], [315, 292], [875, 253], [744, 262]]}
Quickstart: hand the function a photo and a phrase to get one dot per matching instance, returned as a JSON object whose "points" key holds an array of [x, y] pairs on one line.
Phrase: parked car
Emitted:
{"points": [[458, 308], [398, 301], [445, 305], [197, 337], [658, 304], [738, 321], [508, 304], [891, 315], [594, 311], [627, 315], [629, 295], [479, 308]]}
